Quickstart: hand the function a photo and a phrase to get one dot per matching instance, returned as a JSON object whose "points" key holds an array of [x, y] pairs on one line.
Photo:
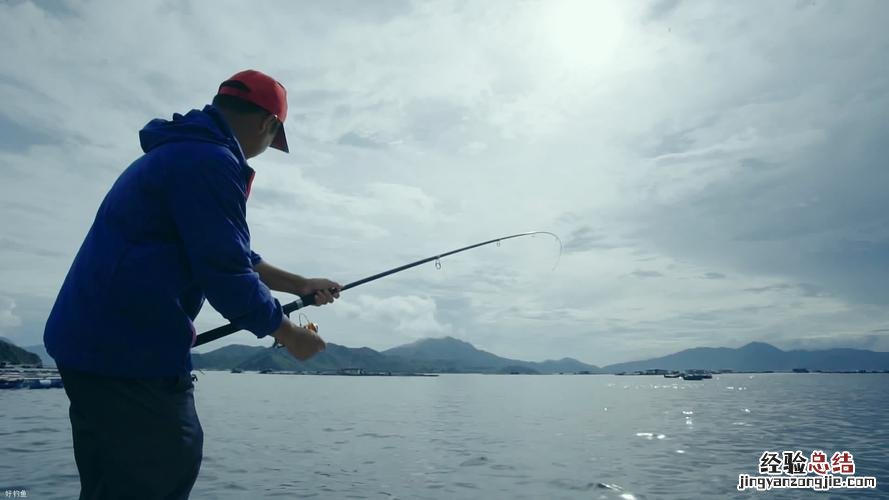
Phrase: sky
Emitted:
{"points": [[717, 171]]}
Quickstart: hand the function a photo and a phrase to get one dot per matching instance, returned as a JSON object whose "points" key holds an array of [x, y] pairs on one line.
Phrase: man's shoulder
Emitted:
{"points": [[198, 155], [197, 150]]}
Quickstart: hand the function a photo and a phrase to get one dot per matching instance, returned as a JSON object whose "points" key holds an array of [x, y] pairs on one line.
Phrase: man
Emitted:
{"points": [[170, 232]]}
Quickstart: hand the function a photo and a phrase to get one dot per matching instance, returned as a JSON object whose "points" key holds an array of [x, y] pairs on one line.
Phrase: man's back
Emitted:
{"points": [[171, 229]]}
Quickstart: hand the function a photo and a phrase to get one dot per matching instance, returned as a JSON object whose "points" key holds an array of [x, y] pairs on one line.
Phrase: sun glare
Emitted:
{"points": [[582, 35]]}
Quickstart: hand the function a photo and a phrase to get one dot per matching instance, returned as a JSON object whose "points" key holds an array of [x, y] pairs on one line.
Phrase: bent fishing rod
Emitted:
{"points": [[308, 300]]}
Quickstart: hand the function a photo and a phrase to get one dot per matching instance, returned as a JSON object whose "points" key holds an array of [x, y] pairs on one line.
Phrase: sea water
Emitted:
{"points": [[487, 436]]}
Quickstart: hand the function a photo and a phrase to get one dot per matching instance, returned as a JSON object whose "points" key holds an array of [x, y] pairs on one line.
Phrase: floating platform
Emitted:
{"points": [[30, 378]]}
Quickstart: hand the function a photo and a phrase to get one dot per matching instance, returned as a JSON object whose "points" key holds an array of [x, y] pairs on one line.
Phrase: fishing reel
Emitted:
{"points": [[308, 325]]}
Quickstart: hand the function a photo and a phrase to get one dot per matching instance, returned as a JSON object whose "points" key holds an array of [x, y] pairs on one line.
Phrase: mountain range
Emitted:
{"points": [[441, 355], [759, 356], [450, 355]]}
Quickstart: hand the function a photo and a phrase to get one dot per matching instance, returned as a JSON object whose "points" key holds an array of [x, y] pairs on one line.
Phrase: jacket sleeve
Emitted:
{"points": [[208, 204], [255, 258]]}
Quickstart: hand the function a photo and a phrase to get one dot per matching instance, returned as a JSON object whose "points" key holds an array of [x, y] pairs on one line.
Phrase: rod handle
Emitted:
{"points": [[300, 302], [217, 333]]}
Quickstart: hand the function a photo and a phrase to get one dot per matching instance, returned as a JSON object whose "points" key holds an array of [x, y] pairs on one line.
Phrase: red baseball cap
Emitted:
{"points": [[264, 91]]}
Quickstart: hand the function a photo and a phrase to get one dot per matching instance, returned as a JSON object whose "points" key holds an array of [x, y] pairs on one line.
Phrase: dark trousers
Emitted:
{"points": [[134, 438]]}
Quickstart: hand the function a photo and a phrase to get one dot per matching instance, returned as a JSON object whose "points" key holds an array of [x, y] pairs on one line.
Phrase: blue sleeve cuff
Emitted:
{"points": [[254, 258], [264, 320], [274, 324]]}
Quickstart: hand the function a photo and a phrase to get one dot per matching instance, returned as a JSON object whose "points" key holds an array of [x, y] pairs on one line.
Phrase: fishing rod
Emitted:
{"points": [[308, 300]]}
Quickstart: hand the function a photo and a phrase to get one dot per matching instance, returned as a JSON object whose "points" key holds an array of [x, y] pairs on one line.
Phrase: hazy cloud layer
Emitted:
{"points": [[8, 317], [717, 171]]}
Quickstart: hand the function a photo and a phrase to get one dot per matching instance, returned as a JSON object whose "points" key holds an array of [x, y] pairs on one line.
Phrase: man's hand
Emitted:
{"points": [[300, 342], [325, 291]]}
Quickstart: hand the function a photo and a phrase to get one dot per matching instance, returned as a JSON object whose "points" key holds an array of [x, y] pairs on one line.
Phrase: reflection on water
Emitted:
{"points": [[478, 436]]}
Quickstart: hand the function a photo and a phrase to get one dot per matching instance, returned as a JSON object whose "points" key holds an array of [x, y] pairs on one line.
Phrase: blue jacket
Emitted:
{"points": [[170, 232]]}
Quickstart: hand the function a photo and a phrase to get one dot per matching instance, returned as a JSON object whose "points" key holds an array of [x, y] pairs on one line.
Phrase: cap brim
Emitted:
{"points": [[280, 141]]}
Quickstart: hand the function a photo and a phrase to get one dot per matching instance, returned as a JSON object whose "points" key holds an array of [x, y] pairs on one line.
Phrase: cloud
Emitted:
{"points": [[586, 238], [8, 318], [412, 315], [359, 140], [18, 137], [641, 273], [771, 288], [662, 8], [802, 289], [10, 245], [791, 212]]}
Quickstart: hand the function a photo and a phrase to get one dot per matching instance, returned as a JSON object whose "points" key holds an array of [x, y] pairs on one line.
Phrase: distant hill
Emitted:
{"points": [[445, 348], [444, 355], [40, 350], [565, 365], [448, 354], [334, 357], [13, 354], [759, 356], [225, 358]]}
